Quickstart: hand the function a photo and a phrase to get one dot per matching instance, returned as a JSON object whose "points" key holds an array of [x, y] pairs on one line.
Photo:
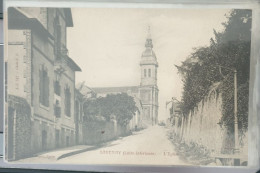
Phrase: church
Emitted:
{"points": [[145, 94]]}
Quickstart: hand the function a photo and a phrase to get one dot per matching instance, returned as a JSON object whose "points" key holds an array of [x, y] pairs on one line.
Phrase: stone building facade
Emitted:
{"points": [[41, 75], [44, 110]]}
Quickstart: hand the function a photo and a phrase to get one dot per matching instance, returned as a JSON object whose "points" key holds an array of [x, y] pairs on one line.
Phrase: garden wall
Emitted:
{"points": [[202, 126]]}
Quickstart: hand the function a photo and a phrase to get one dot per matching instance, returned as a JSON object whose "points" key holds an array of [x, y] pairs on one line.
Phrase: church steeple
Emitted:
{"points": [[148, 55], [148, 90], [149, 63]]}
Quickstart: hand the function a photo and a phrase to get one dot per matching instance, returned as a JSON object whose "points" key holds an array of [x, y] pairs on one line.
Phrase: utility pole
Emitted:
{"points": [[236, 149]]}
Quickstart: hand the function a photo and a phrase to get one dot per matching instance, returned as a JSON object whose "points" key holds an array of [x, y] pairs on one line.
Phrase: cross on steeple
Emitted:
{"points": [[149, 32], [149, 38]]}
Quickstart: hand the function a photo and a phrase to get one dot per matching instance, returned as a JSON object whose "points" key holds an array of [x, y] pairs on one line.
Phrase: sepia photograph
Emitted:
{"points": [[127, 86]]}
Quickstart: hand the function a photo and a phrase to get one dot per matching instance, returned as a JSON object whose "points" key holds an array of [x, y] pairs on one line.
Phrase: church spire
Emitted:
{"points": [[149, 42]]}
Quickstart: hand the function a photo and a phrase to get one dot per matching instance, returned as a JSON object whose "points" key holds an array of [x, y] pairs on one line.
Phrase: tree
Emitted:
{"points": [[230, 48], [122, 106]]}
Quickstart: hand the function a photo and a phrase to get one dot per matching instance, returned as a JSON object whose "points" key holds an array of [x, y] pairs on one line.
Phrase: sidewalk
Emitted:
{"points": [[54, 155], [65, 152]]}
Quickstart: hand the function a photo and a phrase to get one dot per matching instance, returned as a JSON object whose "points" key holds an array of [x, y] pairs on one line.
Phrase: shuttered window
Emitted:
{"points": [[57, 88], [44, 86], [67, 102]]}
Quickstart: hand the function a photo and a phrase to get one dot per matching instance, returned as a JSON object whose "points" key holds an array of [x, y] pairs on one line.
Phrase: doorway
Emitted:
{"points": [[57, 138], [10, 151], [44, 140]]}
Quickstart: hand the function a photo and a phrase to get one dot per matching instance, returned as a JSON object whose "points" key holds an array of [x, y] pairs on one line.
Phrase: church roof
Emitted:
{"points": [[124, 89], [148, 57], [149, 52]]}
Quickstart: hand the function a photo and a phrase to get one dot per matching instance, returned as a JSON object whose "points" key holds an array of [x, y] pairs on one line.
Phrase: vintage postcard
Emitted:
{"points": [[127, 86]]}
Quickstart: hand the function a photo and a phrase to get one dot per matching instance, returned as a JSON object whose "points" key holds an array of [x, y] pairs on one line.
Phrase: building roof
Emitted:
{"points": [[68, 15], [72, 64], [83, 89], [18, 19], [123, 89]]}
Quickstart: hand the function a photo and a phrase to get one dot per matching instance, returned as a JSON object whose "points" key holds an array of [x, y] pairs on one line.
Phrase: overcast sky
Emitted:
{"points": [[108, 43]]}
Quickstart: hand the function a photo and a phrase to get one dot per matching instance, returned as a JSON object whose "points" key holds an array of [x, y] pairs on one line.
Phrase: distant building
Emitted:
{"points": [[148, 90], [40, 81], [146, 94], [82, 94]]}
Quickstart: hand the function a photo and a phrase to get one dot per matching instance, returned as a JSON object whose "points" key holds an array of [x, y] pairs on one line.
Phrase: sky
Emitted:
{"points": [[108, 43]]}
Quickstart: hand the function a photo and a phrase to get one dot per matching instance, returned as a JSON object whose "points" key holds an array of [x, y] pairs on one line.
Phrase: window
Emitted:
{"points": [[149, 73], [57, 35], [57, 88], [77, 111], [67, 101], [44, 86], [144, 72], [57, 109]]}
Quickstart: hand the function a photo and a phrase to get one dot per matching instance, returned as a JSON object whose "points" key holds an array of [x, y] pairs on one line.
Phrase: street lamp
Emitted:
{"points": [[236, 149]]}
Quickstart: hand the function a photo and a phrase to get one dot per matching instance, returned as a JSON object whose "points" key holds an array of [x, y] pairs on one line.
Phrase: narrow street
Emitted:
{"points": [[150, 147]]}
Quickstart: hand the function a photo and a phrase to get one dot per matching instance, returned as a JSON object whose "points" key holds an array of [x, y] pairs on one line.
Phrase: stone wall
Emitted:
{"points": [[18, 128], [97, 132], [201, 126]]}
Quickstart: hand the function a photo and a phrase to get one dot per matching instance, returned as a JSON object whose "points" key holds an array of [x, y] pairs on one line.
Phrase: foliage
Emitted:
{"points": [[119, 106], [229, 50]]}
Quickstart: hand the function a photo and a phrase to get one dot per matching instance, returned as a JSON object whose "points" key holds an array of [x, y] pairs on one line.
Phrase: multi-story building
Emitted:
{"points": [[40, 81]]}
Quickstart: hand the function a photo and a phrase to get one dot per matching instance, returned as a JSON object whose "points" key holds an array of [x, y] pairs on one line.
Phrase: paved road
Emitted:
{"points": [[150, 146]]}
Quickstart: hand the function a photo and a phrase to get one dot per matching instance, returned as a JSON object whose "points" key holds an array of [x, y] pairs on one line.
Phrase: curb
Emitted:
{"points": [[77, 152]]}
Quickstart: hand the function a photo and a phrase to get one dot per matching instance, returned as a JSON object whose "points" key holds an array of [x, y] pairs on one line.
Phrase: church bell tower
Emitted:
{"points": [[148, 86]]}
